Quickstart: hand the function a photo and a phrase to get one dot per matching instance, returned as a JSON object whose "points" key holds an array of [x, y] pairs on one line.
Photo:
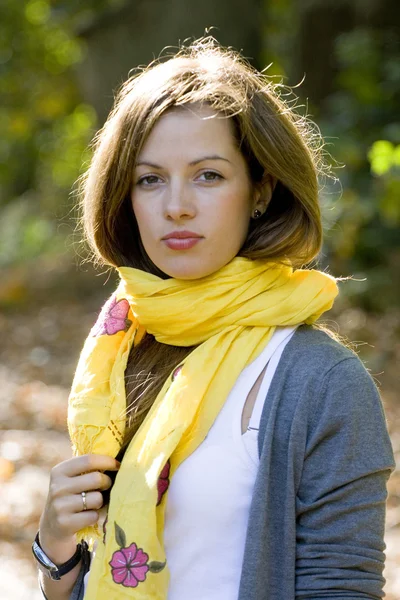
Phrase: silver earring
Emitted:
{"points": [[257, 214]]}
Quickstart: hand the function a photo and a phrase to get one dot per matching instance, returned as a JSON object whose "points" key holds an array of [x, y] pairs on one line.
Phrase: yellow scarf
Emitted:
{"points": [[231, 315]]}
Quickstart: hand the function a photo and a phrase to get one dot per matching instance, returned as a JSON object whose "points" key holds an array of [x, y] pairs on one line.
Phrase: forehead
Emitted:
{"points": [[190, 130]]}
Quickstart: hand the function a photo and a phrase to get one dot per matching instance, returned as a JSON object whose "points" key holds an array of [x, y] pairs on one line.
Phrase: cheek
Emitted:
{"points": [[236, 214], [143, 216]]}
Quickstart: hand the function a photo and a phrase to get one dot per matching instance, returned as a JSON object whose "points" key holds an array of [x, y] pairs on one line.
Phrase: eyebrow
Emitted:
{"points": [[194, 162]]}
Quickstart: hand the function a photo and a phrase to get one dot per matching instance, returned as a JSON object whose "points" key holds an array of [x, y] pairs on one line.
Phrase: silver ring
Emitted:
{"points": [[83, 494]]}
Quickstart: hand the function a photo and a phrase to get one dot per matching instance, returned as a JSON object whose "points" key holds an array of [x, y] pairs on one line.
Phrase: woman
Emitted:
{"points": [[252, 446]]}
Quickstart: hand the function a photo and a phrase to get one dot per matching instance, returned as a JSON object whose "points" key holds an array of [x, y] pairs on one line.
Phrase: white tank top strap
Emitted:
{"points": [[274, 352]]}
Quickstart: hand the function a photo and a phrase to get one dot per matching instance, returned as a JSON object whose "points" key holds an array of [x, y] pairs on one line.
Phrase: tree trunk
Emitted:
{"points": [[118, 41], [320, 24]]}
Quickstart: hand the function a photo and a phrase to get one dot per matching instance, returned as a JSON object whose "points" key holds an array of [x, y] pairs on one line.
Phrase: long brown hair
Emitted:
{"points": [[273, 138]]}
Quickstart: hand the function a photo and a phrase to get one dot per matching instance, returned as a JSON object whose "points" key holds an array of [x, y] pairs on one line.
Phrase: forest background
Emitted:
{"points": [[60, 65]]}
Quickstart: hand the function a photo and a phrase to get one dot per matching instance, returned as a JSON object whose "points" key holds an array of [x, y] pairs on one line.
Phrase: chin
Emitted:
{"points": [[191, 272], [188, 275]]}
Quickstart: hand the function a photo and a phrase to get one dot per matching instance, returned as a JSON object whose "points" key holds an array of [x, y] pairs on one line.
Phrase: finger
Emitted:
{"points": [[90, 462], [87, 463], [80, 520], [94, 501], [87, 482]]}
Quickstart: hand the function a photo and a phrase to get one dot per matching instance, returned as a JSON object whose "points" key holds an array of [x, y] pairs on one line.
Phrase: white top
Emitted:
{"points": [[210, 493]]}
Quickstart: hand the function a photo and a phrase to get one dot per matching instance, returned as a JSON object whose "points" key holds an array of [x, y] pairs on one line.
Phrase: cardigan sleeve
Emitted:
{"points": [[341, 497], [78, 590]]}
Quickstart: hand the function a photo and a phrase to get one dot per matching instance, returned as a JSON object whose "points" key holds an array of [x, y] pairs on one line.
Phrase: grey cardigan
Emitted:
{"points": [[317, 517]]}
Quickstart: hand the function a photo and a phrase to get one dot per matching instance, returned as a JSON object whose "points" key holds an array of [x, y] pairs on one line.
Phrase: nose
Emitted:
{"points": [[179, 203]]}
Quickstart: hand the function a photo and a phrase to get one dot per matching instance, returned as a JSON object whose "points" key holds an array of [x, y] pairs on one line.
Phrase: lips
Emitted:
{"points": [[181, 235], [181, 240]]}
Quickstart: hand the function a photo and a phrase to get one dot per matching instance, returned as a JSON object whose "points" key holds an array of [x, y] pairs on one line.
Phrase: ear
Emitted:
{"points": [[263, 193]]}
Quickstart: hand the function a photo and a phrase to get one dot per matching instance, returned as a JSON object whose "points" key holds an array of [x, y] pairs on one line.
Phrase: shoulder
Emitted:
{"points": [[314, 365], [313, 353], [333, 385], [320, 391], [318, 346]]}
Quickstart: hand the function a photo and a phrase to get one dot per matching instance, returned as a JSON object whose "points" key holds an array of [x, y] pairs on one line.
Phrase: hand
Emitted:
{"points": [[63, 514]]}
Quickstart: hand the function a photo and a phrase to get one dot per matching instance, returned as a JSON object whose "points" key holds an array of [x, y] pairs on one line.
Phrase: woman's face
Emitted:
{"points": [[191, 185]]}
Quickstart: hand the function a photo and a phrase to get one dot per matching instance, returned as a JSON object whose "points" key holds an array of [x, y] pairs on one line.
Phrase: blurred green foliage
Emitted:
{"points": [[361, 116], [384, 156], [46, 127], [359, 119]]}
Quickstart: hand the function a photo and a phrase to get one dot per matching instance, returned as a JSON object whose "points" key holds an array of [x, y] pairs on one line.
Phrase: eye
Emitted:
{"points": [[148, 180], [210, 176]]}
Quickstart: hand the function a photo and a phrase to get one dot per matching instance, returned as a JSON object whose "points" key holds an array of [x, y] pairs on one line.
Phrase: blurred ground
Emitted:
{"points": [[38, 354]]}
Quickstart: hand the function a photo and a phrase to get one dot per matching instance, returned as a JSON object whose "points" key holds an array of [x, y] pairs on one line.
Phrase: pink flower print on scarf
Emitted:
{"points": [[129, 565], [163, 482], [113, 318], [176, 372]]}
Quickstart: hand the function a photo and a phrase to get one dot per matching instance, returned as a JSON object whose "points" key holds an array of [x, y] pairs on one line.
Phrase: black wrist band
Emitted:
{"points": [[49, 567]]}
